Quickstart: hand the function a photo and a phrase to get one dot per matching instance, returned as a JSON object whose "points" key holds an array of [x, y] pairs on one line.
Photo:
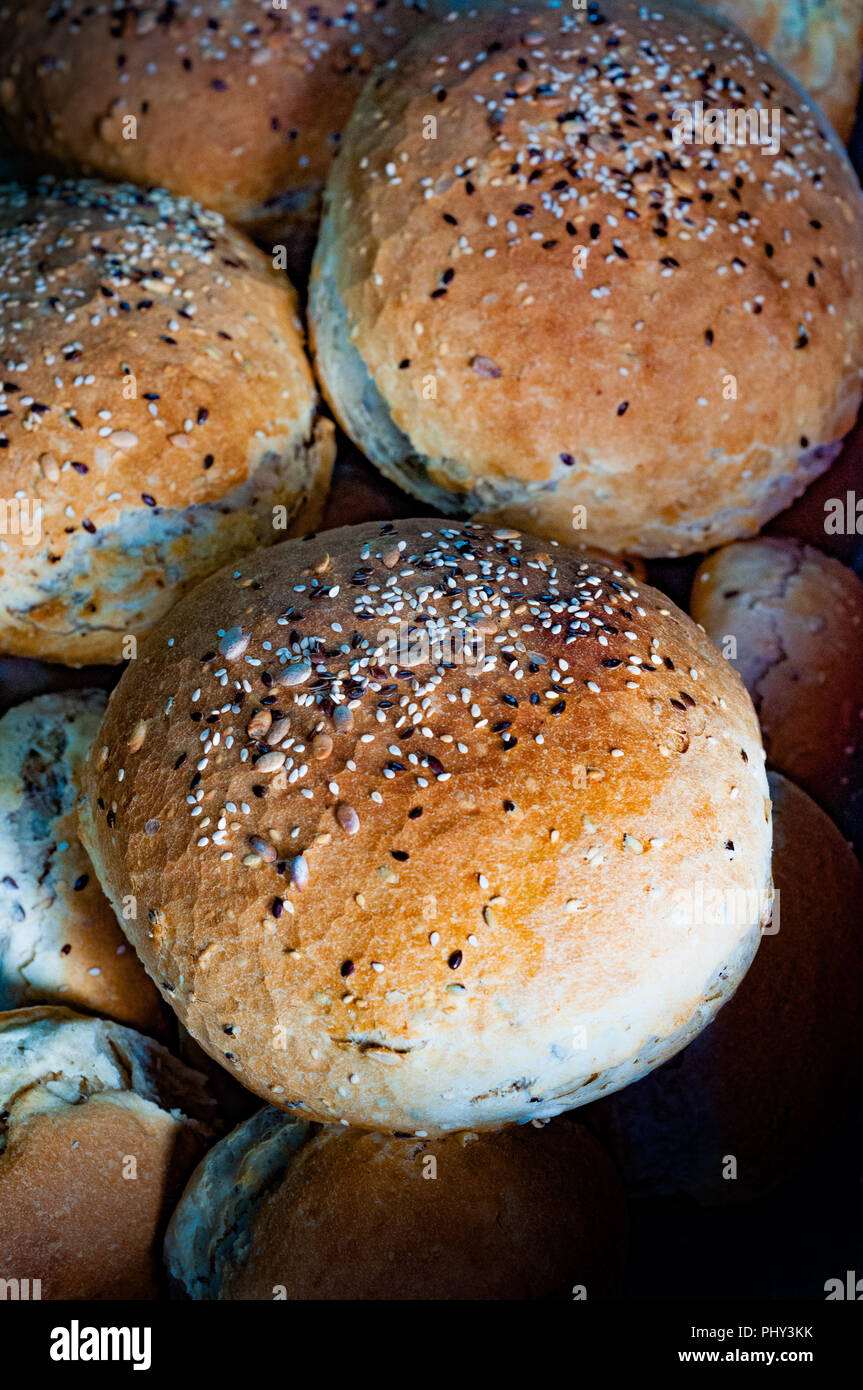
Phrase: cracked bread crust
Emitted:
{"points": [[417, 891], [279, 1209], [797, 618]]}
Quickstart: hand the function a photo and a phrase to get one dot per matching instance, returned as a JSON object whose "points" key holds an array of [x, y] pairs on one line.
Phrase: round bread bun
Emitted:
{"points": [[749, 1098], [281, 1209], [819, 41], [237, 103], [437, 876], [99, 1129], [796, 619], [541, 315], [156, 409], [59, 938]]}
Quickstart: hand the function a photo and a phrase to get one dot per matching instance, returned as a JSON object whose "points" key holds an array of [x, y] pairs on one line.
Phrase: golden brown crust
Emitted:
{"points": [[497, 922], [820, 42], [239, 105], [95, 1235], [94, 1147], [796, 617], [522, 1214], [156, 405], [676, 387], [766, 1079]]}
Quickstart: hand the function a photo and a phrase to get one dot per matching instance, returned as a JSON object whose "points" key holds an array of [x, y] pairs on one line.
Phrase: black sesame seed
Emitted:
{"points": [[455, 960]]}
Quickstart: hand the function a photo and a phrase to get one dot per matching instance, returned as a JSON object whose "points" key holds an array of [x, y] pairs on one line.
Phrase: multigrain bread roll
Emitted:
{"points": [[794, 618], [59, 939], [157, 413], [412, 813], [237, 103], [748, 1099], [99, 1129], [820, 42], [530, 302], [283, 1210]]}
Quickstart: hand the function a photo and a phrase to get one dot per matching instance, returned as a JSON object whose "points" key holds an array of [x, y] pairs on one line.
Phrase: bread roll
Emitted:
{"points": [[791, 621], [59, 938], [771, 1075], [820, 42], [237, 103], [531, 302], [280, 1210], [99, 1128], [156, 412], [412, 813]]}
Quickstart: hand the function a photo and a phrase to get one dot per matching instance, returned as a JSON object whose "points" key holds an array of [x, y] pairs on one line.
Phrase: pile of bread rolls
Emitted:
{"points": [[394, 881]]}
